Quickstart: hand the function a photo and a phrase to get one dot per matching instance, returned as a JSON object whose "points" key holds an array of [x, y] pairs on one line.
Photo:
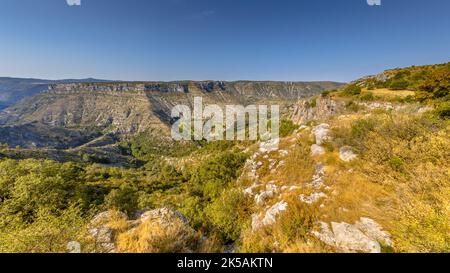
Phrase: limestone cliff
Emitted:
{"points": [[316, 109], [127, 108]]}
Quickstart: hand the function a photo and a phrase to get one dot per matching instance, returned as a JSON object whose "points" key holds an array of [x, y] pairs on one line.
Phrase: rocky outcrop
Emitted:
{"points": [[350, 238], [374, 231], [167, 87], [95, 87], [312, 198], [163, 215], [320, 110], [364, 236], [159, 231], [250, 190], [317, 181], [317, 184], [269, 146], [262, 197], [347, 154], [102, 232], [152, 231], [383, 105], [322, 133], [269, 217], [317, 150]]}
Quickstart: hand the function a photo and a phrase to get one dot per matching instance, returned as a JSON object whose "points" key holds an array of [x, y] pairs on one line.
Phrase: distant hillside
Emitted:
{"points": [[428, 84], [433, 81], [129, 108], [13, 90]]}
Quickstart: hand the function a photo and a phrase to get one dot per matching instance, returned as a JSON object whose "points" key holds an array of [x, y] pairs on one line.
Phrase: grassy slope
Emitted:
{"points": [[401, 179]]}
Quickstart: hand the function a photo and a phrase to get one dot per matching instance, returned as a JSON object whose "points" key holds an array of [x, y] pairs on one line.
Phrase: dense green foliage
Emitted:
{"points": [[352, 90], [212, 201], [287, 127], [146, 145], [40, 199]]}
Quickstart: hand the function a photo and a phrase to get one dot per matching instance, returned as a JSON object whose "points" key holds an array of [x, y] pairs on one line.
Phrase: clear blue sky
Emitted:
{"points": [[220, 39]]}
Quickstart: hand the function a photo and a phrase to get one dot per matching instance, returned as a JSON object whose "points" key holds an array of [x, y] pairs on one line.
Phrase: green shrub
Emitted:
{"points": [[124, 198], [49, 232], [407, 99], [228, 213], [209, 179], [91, 158], [352, 106], [352, 90], [367, 97], [326, 94], [399, 85], [30, 185], [287, 127], [362, 127], [443, 110], [193, 208], [396, 163]]}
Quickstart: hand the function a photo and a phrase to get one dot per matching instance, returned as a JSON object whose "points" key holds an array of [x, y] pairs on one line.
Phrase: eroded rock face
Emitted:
{"points": [[211, 86], [325, 108], [167, 87], [126, 108], [347, 154], [364, 236]]}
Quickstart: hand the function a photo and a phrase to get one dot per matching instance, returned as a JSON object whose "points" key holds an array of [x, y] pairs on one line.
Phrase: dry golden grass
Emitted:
{"points": [[387, 93], [158, 237], [298, 167], [290, 234], [401, 179]]}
